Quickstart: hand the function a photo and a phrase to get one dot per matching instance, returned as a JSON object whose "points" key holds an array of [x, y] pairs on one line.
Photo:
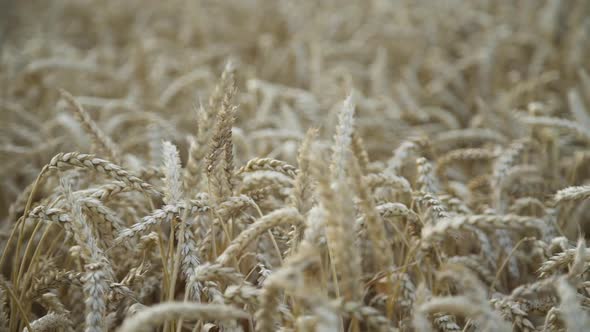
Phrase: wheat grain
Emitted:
{"points": [[157, 314], [163, 215], [573, 194], [76, 159], [574, 127], [51, 322], [103, 141], [480, 221], [444, 161], [52, 280], [558, 261], [301, 195], [381, 247], [258, 164], [275, 218], [387, 180], [426, 180], [446, 323], [172, 174], [576, 319], [95, 288], [447, 140]]}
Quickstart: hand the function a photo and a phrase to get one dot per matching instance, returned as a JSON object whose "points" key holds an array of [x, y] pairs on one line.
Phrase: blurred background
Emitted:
{"points": [[418, 69]]}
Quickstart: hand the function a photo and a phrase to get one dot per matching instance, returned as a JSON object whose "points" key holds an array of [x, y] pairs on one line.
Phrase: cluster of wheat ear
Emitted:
{"points": [[287, 165]]}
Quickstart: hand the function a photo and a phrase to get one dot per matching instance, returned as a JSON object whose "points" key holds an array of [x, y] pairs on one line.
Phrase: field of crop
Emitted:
{"points": [[294, 165]]}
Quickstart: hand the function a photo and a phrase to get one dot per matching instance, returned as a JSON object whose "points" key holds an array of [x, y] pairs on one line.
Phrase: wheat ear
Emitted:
{"points": [[75, 159], [143, 320], [104, 142], [273, 219]]}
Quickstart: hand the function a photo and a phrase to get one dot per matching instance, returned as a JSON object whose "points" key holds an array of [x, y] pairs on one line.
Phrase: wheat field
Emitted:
{"points": [[283, 165]]}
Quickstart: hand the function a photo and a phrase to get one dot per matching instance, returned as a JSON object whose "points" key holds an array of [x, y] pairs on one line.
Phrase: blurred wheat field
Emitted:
{"points": [[281, 165]]}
